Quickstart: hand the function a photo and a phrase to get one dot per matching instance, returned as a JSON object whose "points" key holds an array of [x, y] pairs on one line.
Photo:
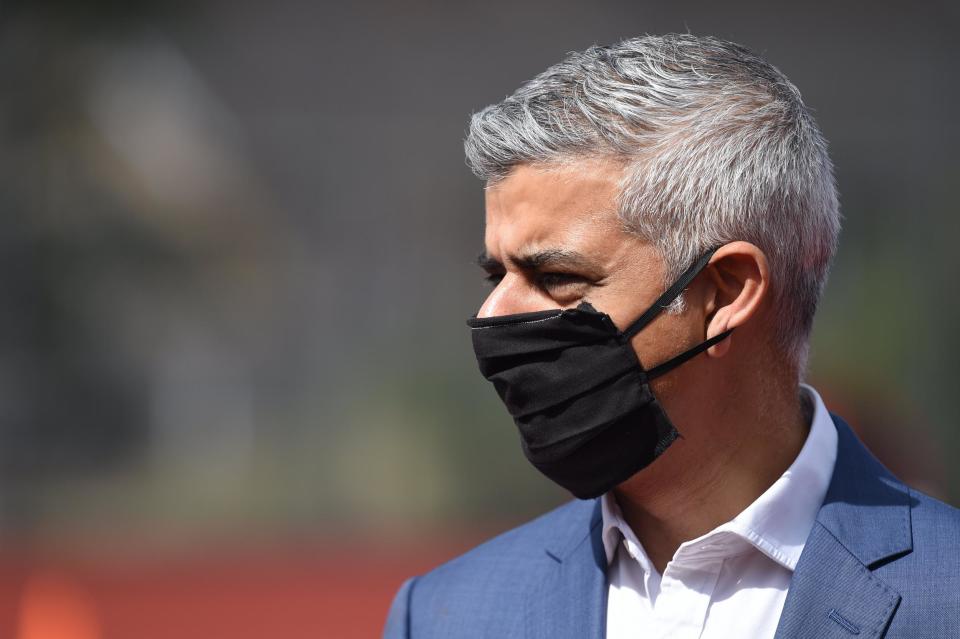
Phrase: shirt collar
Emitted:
{"points": [[777, 522]]}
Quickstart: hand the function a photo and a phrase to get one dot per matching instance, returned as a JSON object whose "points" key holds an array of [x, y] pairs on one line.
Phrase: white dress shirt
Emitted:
{"points": [[732, 581]]}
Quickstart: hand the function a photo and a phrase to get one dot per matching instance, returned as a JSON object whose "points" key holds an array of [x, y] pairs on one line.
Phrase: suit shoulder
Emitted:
{"points": [[522, 544], [928, 576], [511, 558], [934, 557], [482, 592], [934, 521]]}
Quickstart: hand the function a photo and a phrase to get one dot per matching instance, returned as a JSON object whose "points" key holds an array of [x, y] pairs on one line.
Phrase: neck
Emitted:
{"points": [[720, 466]]}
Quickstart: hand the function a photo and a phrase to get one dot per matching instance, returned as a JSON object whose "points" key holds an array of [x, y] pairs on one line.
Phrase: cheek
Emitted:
{"points": [[662, 339], [658, 343], [622, 303], [676, 391]]}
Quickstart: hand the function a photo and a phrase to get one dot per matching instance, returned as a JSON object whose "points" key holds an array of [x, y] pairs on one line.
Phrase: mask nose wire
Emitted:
{"points": [[669, 295]]}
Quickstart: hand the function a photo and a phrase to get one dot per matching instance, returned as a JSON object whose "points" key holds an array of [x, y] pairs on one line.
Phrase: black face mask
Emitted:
{"points": [[571, 380]]}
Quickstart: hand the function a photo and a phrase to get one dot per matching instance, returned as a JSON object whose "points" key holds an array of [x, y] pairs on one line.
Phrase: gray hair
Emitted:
{"points": [[716, 144]]}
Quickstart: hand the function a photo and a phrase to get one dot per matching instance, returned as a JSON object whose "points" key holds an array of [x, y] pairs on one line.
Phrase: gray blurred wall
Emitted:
{"points": [[237, 251]]}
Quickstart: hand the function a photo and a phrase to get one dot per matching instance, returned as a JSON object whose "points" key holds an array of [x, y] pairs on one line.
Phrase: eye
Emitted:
{"points": [[558, 280]]}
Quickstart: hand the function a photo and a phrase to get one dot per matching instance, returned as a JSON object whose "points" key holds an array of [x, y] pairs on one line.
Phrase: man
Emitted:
{"points": [[660, 219]]}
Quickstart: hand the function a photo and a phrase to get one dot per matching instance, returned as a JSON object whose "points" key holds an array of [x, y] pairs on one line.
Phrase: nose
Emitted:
{"points": [[495, 300]]}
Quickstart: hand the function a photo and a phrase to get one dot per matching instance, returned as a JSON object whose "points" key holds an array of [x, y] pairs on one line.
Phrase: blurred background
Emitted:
{"points": [[237, 394]]}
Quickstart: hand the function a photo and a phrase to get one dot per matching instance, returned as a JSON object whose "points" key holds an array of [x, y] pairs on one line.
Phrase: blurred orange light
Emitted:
{"points": [[56, 607]]}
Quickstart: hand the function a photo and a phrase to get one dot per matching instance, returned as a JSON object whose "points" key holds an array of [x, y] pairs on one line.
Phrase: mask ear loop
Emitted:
{"points": [[671, 364], [669, 295], [662, 303]]}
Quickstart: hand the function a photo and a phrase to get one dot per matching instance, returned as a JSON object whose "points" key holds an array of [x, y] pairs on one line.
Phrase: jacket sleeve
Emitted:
{"points": [[398, 621]]}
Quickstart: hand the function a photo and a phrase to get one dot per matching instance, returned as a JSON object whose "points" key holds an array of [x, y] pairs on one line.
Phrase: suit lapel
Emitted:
{"points": [[864, 520], [571, 601], [833, 595]]}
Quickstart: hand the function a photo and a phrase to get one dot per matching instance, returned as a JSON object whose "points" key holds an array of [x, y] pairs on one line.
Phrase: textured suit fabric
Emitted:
{"points": [[882, 560]]}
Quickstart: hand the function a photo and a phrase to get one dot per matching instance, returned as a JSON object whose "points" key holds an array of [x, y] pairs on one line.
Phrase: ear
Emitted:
{"points": [[739, 278]]}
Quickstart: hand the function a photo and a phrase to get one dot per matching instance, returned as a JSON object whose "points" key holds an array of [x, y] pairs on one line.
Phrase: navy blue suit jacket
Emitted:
{"points": [[882, 560]]}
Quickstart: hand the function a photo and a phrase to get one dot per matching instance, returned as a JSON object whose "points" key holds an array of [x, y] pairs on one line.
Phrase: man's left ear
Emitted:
{"points": [[740, 278]]}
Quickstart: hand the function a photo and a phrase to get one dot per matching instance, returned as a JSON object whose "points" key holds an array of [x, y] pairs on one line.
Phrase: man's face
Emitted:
{"points": [[553, 240]]}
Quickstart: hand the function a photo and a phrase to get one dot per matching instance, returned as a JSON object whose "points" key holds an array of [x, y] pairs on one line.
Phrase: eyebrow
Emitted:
{"points": [[541, 259], [488, 264]]}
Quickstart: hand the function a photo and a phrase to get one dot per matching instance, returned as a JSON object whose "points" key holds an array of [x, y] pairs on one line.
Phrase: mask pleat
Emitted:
{"points": [[592, 411], [542, 386]]}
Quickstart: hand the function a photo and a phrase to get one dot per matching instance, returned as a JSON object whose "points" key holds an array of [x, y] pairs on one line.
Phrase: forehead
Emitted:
{"points": [[536, 206]]}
